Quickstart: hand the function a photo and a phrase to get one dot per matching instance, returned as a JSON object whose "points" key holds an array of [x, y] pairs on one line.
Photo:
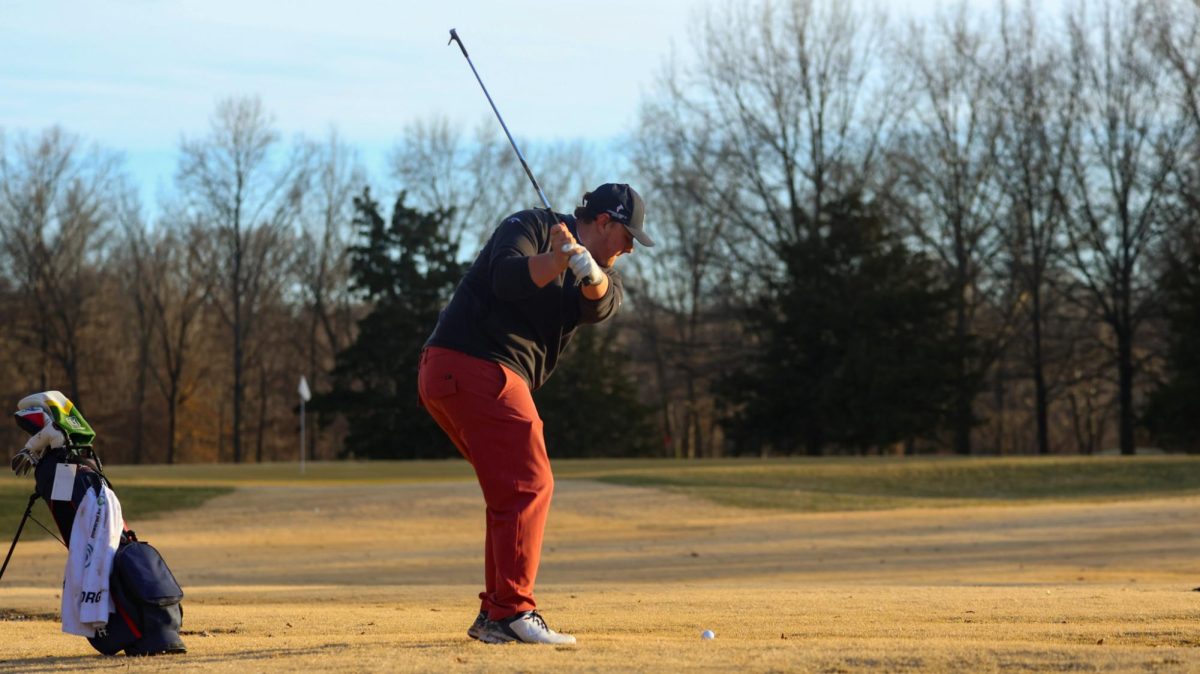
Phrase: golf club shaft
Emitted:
{"points": [[20, 527], [545, 202], [525, 165]]}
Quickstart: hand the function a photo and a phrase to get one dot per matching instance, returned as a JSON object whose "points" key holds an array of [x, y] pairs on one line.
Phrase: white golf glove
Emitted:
{"points": [[26, 459], [584, 266]]}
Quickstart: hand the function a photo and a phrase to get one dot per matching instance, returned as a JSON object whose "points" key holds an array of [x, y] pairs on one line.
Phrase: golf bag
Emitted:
{"points": [[147, 614]]}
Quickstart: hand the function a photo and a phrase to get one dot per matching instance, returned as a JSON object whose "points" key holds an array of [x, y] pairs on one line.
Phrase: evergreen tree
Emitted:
{"points": [[590, 406], [1172, 412], [406, 270], [853, 349]]}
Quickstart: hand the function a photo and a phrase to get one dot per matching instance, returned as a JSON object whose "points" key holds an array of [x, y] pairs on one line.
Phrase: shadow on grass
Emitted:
{"points": [[89, 663], [138, 503], [13, 615]]}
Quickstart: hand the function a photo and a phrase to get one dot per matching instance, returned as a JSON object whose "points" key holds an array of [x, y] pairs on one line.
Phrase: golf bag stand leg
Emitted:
{"points": [[28, 511]]}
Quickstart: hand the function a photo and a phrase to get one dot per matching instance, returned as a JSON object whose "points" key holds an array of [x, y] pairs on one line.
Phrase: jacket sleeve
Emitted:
{"points": [[518, 238], [598, 311]]}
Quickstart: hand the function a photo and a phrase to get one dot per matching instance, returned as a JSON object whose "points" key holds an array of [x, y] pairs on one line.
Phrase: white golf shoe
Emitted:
{"points": [[526, 628]]}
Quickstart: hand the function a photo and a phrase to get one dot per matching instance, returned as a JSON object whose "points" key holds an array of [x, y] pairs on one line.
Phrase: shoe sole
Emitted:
{"points": [[501, 639]]}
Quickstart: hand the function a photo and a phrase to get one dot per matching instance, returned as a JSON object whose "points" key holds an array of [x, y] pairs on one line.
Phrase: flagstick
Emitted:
{"points": [[301, 436], [305, 394]]}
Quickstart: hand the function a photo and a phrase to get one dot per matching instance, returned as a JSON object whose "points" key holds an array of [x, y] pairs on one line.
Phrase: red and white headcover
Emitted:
{"points": [[32, 419]]}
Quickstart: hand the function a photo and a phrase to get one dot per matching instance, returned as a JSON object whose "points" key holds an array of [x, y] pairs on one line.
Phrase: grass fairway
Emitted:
{"points": [[871, 566], [139, 502], [857, 484], [962, 479], [802, 485]]}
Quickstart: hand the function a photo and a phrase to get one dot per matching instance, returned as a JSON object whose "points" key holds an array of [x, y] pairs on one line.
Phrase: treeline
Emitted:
{"points": [[1034, 173], [970, 234]]}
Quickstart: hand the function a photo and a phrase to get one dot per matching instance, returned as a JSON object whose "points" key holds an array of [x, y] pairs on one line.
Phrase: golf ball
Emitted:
{"points": [[707, 634]]}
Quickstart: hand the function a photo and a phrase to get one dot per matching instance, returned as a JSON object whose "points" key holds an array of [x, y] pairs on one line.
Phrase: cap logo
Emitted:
{"points": [[619, 213]]}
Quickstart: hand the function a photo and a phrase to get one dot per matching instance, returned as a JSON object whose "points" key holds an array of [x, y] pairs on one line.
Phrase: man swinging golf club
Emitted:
{"points": [[540, 276]]}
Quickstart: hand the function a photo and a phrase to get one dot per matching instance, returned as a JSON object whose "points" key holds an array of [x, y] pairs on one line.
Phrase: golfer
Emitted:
{"points": [[540, 276]]}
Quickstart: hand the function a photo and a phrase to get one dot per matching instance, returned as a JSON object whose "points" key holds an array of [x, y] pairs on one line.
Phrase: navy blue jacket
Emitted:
{"points": [[498, 314]]}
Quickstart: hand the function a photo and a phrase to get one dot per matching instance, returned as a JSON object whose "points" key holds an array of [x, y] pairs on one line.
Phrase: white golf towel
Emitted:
{"points": [[94, 537]]}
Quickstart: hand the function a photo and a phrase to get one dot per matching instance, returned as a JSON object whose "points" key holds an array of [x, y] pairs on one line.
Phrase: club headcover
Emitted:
{"points": [[32, 419], [61, 411]]}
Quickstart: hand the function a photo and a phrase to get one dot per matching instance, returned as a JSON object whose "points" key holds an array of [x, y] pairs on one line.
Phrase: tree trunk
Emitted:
{"points": [[312, 378], [964, 395], [139, 398], [239, 392], [172, 411], [71, 365], [44, 376], [239, 356], [221, 433], [1039, 376], [1000, 425], [1125, 391], [262, 413]]}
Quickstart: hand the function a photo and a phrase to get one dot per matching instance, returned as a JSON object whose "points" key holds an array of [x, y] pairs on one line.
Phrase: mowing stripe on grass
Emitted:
{"points": [[825, 485], [138, 503]]}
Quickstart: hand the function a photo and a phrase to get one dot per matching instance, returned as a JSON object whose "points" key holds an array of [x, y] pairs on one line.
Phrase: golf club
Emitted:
{"points": [[455, 38], [545, 202]]}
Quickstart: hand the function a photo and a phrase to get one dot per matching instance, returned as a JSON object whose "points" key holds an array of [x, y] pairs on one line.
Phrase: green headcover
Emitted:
{"points": [[65, 415]]}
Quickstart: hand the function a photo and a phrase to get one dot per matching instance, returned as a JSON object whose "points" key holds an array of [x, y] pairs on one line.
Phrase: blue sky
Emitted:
{"points": [[137, 75]]}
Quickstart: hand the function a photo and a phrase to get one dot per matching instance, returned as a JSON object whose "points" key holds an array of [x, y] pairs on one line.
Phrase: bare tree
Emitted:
{"points": [[1176, 24], [480, 179], [680, 314], [271, 362], [134, 273], [438, 168], [176, 287], [740, 154], [1122, 155], [794, 90], [947, 182], [323, 262], [1031, 101], [235, 185], [58, 201]]}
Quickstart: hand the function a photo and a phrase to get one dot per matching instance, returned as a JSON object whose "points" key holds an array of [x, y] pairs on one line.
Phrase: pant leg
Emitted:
{"points": [[491, 411], [487, 598], [433, 384]]}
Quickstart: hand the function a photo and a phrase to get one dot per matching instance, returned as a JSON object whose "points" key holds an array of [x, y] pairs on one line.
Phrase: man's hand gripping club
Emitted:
{"points": [[584, 266], [566, 253], [570, 253]]}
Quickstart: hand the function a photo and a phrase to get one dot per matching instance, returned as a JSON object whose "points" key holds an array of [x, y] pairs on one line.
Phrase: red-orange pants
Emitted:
{"points": [[488, 412]]}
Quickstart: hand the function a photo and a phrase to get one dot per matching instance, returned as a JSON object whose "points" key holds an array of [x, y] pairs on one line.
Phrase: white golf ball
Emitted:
{"points": [[707, 634]]}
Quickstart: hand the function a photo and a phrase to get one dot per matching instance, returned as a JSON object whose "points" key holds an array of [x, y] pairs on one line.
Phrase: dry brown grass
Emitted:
{"points": [[350, 578]]}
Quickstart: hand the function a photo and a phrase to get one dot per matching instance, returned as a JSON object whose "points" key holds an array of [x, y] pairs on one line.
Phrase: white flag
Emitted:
{"points": [[305, 394]]}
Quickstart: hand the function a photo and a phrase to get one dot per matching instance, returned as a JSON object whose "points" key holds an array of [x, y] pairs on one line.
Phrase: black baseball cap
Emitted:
{"points": [[623, 204]]}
